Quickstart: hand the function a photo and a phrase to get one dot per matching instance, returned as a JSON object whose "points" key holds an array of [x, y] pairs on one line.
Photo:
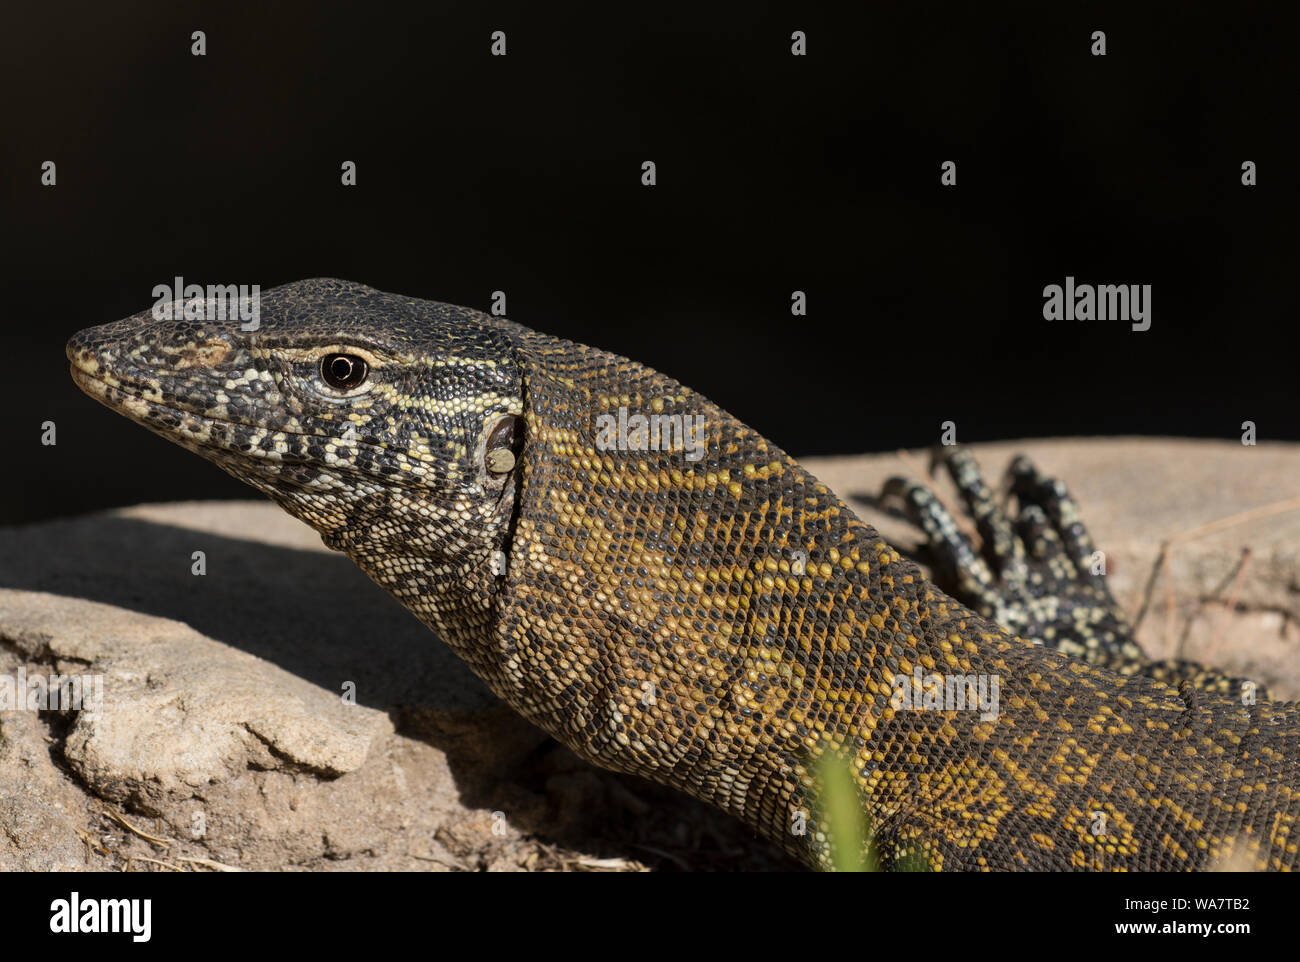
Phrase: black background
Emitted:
{"points": [[342, 913], [775, 173]]}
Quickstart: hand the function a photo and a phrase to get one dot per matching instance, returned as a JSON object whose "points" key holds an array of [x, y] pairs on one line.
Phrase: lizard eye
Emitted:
{"points": [[343, 371]]}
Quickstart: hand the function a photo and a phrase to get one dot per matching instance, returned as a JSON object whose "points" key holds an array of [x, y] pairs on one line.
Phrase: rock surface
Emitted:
{"points": [[281, 712]]}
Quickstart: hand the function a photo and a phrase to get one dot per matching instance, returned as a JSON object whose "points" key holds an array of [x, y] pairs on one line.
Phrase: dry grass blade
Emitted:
{"points": [[115, 817]]}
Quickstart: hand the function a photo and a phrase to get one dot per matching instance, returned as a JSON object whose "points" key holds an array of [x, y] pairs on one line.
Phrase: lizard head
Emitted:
{"points": [[346, 405]]}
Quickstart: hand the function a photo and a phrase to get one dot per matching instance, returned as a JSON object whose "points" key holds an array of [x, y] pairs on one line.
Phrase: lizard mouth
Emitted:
{"points": [[187, 428], [152, 396], [114, 393], [199, 432]]}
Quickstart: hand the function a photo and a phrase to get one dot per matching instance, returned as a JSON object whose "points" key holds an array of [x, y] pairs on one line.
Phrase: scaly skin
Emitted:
{"points": [[654, 614]]}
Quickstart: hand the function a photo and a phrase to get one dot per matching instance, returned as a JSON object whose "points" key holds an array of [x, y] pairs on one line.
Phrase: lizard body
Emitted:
{"points": [[717, 625]]}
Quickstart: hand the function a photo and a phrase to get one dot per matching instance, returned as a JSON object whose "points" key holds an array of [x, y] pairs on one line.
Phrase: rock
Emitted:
{"points": [[42, 811], [180, 711]]}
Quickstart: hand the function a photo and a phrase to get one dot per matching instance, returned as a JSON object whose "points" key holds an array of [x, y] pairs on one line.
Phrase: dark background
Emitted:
{"points": [[776, 173]]}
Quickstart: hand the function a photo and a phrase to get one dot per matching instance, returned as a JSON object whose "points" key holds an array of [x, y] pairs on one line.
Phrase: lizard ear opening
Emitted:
{"points": [[505, 439]]}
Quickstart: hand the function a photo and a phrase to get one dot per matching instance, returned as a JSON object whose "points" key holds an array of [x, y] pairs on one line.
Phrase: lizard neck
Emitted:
{"points": [[448, 569]]}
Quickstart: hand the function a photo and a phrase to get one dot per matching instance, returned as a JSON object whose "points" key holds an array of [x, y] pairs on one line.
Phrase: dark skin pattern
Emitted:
{"points": [[717, 625]]}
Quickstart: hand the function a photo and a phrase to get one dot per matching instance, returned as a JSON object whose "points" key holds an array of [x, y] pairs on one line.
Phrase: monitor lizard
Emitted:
{"points": [[718, 623]]}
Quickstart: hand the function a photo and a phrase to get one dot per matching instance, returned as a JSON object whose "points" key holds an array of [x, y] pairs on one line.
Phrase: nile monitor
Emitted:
{"points": [[698, 609]]}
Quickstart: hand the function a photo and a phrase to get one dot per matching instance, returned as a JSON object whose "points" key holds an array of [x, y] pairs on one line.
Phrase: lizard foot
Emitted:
{"points": [[1036, 571]]}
